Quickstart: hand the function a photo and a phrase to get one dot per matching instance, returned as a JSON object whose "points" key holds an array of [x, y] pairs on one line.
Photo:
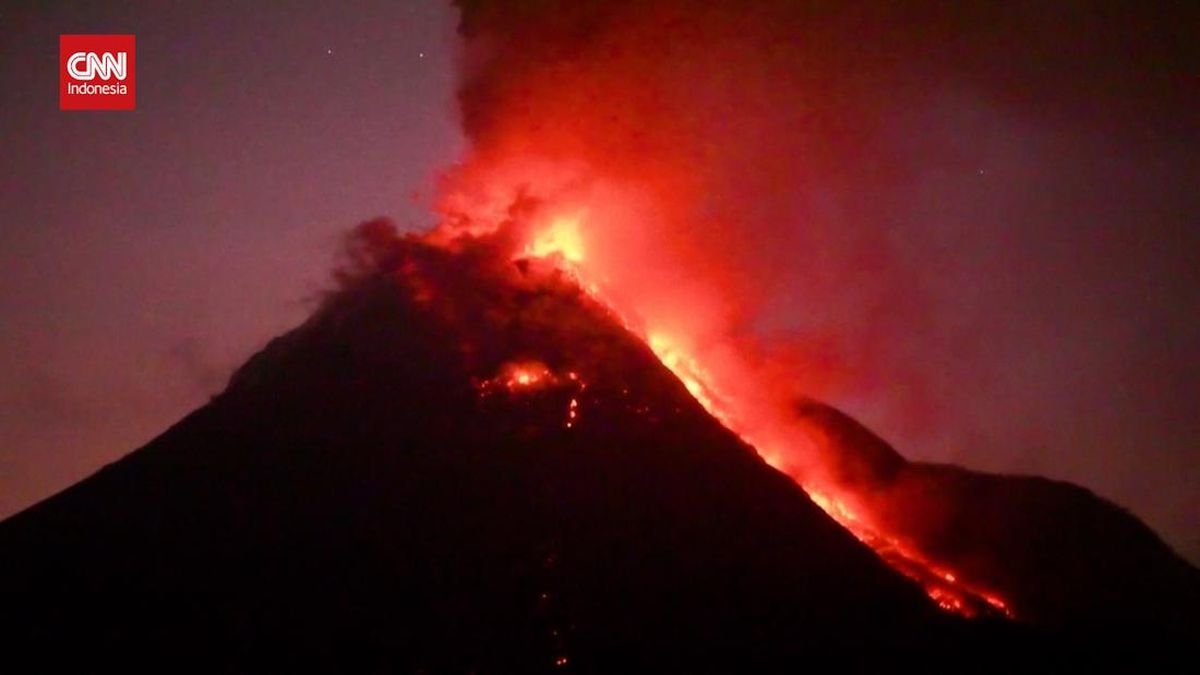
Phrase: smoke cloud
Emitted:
{"points": [[971, 225]]}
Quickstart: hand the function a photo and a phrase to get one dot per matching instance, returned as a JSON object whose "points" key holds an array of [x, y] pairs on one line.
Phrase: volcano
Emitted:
{"points": [[463, 462]]}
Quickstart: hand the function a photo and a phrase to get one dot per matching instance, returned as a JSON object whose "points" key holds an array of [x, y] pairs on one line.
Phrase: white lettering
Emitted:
{"points": [[86, 66], [118, 89]]}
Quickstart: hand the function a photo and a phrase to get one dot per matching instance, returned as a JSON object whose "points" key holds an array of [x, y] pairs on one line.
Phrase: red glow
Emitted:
{"points": [[675, 187], [741, 393], [528, 377], [520, 376], [560, 238]]}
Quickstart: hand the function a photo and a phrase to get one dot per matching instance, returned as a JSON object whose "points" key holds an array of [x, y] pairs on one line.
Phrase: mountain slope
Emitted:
{"points": [[458, 463], [1061, 556]]}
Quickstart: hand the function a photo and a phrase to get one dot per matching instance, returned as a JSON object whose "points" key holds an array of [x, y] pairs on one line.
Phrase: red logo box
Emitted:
{"points": [[96, 72]]}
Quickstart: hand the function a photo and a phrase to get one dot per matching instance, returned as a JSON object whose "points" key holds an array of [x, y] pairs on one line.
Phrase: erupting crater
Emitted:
{"points": [[558, 239]]}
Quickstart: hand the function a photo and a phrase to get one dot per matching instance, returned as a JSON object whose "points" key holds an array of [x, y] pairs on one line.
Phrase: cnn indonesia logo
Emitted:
{"points": [[96, 72]]}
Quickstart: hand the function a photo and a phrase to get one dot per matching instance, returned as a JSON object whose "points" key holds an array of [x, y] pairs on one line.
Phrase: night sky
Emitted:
{"points": [[1039, 202], [144, 255]]}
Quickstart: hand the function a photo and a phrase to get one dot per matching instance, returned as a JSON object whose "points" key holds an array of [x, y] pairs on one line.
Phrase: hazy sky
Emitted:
{"points": [[145, 254], [1049, 218]]}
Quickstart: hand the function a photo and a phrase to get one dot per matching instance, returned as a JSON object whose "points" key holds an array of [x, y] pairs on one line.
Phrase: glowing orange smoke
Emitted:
{"points": [[561, 238]]}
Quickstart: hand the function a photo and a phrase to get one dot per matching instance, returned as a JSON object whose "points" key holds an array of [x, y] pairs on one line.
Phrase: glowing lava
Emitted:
{"points": [[521, 378], [520, 375], [690, 372], [561, 242]]}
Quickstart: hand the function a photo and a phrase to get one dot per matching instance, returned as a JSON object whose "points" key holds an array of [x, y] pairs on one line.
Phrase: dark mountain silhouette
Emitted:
{"points": [[459, 464]]}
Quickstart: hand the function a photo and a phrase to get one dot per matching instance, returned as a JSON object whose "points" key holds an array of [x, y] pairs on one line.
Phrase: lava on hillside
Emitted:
{"points": [[686, 166], [464, 460], [980, 545], [535, 237], [461, 462]]}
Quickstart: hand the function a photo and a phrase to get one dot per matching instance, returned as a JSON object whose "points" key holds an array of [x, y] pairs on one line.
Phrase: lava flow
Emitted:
{"points": [[942, 585], [728, 389]]}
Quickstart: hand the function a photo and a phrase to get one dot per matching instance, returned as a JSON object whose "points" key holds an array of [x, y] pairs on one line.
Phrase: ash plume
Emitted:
{"points": [[896, 209]]}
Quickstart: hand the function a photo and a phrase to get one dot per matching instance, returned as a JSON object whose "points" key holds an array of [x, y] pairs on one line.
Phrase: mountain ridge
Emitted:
{"points": [[462, 462]]}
